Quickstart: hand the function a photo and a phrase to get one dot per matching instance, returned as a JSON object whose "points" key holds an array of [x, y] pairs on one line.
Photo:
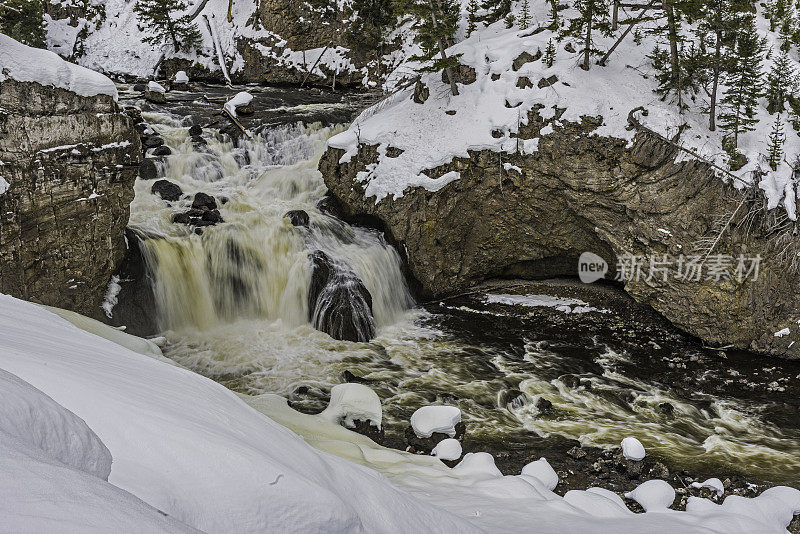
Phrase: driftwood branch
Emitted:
{"points": [[308, 73]]}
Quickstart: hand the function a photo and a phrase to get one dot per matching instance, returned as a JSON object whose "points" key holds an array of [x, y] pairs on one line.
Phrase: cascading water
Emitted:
{"points": [[256, 264]]}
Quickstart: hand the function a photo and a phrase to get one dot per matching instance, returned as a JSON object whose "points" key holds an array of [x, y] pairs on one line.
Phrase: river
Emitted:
{"points": [[232, 304]]}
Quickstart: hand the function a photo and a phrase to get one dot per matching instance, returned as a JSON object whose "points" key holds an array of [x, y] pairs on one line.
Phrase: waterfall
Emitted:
{"points": [[257, 265]]}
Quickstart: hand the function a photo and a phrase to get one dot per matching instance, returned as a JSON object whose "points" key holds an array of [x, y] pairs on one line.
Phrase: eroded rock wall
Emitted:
{"points": [[71, 162], [582, 192]]}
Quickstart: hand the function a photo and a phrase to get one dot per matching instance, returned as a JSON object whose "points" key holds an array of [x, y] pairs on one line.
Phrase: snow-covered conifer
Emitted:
{"points": [[169, 23]]}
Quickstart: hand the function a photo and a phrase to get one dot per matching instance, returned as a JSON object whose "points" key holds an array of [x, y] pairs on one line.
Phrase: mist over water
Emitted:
{"points": [[233, 304]]}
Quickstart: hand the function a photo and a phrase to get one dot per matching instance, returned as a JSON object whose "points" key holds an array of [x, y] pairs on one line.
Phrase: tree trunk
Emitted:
{"points": [[588, 43], [673, 52], [712, 120], [448, 71], [230, 9], [615, 16], [171, 30]]}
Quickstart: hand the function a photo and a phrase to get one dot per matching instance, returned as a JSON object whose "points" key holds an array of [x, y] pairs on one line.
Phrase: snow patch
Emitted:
{"points": [[447, 449], [632, 449], [351, 402], [429, 419]]}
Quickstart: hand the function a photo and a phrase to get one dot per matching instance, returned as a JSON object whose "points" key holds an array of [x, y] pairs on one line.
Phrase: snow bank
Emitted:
{"points": [[26, 64], [543, 472], [350, 402], [197, 452], [429, 419], [243, 98], [447, 449], [632, 449], [653, 495]]}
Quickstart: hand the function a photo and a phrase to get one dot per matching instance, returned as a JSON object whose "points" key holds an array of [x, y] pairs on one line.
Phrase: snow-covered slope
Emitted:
{"points": [[26, 64], [488, 113], [199, 454]]}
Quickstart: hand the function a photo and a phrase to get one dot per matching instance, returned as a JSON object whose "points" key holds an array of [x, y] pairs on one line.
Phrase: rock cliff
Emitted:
{"points": [[70, 162], [532, 215]]}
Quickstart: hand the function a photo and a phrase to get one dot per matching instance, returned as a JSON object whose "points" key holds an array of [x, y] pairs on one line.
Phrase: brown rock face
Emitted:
{"points": [[71, 162], [582, 192]]}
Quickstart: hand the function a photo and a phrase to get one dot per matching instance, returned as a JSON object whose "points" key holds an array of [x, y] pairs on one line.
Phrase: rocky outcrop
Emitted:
{"points": [[531, 216], [71, 162]]}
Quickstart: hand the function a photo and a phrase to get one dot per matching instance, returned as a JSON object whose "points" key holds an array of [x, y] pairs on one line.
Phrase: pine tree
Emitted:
{"points": [[22, 20], [495, 10], [744, 85], [555, 9], [549, 54], [593, 17], [435, 23], [781, 83], [162, 19], [775, 146], [472, 16], [788, 30], [368, 27], [525, 16], [510, 20], [637, 36]]}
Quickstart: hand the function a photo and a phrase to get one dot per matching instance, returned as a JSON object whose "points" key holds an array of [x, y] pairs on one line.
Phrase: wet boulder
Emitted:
{"points": [[166, 190], [338, 302], [140, 87], [195, 130], [162, 150], [204, 201], [152, 141], [148, 170], [212, 216], [297, 218]]}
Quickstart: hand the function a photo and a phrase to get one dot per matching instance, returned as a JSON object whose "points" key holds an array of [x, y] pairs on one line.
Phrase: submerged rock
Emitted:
{"points": [[338, 302], [204, 201]]}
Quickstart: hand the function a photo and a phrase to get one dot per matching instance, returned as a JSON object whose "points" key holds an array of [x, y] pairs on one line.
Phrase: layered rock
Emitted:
{"points": [[532, 215], [71, 162]]}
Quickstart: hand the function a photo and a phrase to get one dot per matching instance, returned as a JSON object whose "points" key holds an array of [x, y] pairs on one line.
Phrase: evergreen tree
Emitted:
{"points": [[22, 20], [525, 16], [368, 28], [637, 36], [549, 54], [510, 20], [744, 85], [788, 30], [593, 17], [555, 9], [162, 19], [775, 146], [495, 10], [781, 83], [472, 16], [435, 23]]}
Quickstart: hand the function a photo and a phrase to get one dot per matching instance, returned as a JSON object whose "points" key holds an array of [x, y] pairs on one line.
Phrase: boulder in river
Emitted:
{"points": [[166, 190], [148, 169], [297, 218], [204, 201], [338, 302], [162, 150], [195, 130]]}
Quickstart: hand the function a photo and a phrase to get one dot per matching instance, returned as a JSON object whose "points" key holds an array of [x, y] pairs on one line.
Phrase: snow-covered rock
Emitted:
{"points": [[713, 484], [478, 464], [26, 64], [542, 471], [181, 77], [242, 99], [3, 185], [351, 402], [598, 502], [632, 449], [447, 449], [429, 419], [155, 87], [653, 495]]}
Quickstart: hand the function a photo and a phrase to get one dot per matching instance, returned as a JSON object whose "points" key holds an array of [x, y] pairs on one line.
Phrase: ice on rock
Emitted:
{"points": [[351, 402], [181, 77], [155, 87], [447, 449], [543, 472], [429, 419], [26, 64], [3, 185], [632, 449], [480, 464], [654, 495], [714, 484], [241, 99]]}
